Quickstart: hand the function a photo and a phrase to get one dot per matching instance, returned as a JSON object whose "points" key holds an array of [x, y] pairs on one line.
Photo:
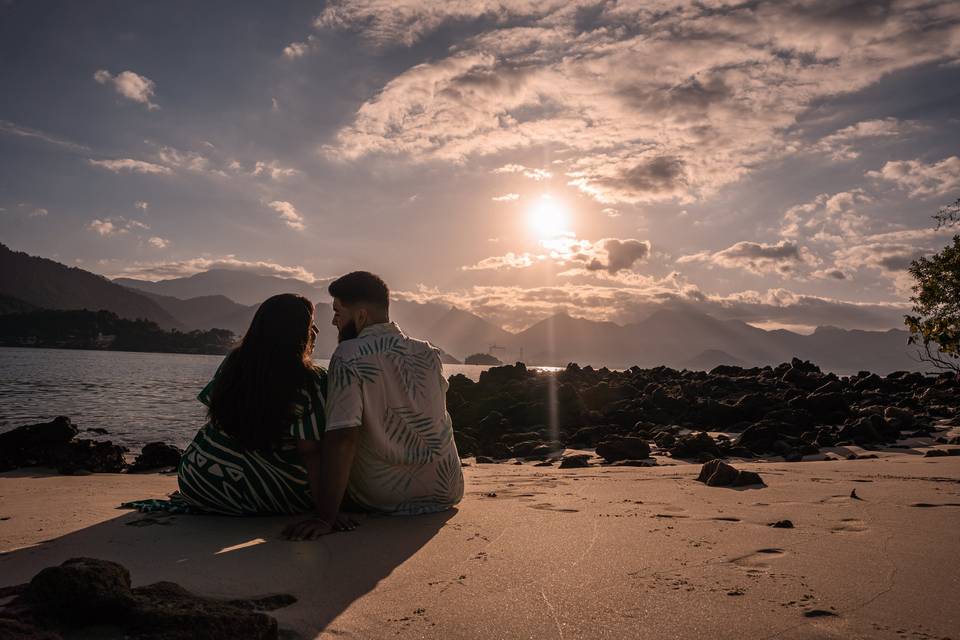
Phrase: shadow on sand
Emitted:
{"points": [[229, 557]]}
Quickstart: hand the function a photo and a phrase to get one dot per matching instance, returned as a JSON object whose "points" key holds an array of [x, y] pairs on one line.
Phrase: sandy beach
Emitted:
{"points": [[542, 552]]}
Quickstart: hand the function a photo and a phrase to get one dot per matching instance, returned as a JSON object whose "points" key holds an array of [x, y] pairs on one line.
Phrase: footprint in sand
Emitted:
{"points": [[546, 506], [850, 525], [941, 504], [760, 558]]}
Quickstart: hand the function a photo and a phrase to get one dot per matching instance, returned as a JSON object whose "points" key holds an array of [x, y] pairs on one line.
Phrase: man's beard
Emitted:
{"points": [[347, 331]]}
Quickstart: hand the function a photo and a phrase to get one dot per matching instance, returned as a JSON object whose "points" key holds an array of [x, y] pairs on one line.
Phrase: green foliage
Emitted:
{"points": [[936, 305]]}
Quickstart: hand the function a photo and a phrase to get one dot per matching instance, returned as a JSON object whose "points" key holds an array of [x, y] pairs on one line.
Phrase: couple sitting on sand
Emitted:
{"points": [[284, 436]]}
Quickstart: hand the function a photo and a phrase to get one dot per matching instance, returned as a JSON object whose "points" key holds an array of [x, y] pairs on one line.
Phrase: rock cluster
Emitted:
{"points": [[55, 444], [790, 410], [95, 599]]}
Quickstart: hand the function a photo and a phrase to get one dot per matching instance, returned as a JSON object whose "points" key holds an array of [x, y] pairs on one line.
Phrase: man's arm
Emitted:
{"points": [[328, 471]]}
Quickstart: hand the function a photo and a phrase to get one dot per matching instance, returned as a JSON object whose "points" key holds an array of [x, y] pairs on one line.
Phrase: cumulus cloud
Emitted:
{"points": [[115, 226], [142, 205], [288, 213], [158, 242], [39, 212], [920, 179], [619, 255], [509, 260], [830, 218], [182, 268], [782, 258], [130, 85], [130, 165], [273, 170], [646, 101], [507, 197]]}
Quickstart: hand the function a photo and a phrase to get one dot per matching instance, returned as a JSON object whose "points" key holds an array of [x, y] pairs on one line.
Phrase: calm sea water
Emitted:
{"points": [[137, 397]]}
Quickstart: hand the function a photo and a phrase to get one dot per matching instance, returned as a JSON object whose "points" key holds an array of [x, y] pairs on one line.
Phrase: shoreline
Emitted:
{"points": [[543, 552]]}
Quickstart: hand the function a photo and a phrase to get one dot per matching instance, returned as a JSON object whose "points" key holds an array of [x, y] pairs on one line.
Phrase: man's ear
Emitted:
{"points": [[362, 318]]}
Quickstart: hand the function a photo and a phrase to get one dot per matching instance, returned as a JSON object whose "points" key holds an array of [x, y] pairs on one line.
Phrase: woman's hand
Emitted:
{"points": [[313, 528]]}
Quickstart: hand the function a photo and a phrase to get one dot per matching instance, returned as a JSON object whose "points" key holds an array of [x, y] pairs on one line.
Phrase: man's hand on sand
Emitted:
{"points": [[313, 528]]}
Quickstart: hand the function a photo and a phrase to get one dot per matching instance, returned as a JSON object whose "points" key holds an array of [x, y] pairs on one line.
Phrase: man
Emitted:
{"points": [[388, 445]]}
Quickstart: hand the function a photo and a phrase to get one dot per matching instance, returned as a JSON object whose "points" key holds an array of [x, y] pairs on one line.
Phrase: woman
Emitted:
{"points": [[259, 452]]}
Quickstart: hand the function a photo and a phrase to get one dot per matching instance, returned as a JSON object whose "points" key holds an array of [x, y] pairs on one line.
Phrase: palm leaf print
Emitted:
{"points": [[414, 370], [413, 433]]}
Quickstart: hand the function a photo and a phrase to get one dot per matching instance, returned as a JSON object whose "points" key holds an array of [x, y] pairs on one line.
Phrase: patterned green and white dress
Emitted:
{"points": [[392, 388], [218, 475]]}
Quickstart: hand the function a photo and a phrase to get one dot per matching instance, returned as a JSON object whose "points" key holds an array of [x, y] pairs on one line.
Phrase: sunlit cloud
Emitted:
{"points": [[158, 242], [507, 197], [533, 174], [130, 85], [920, 179], [183, 268], [831, 218], [288, 213], [655, 101], [130, 165], [115, 226], [142, 205], [39, 212], [782, 258], [842, 144]]}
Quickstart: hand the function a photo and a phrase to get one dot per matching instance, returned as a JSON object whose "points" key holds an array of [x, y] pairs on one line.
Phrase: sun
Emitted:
{"points": [[549, 217]]}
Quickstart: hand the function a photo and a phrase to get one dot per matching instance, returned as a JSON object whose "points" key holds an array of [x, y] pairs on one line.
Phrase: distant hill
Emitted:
{"points": [[10, 304], [207, 312], [710, 358], [47, 284], [243, 287]]}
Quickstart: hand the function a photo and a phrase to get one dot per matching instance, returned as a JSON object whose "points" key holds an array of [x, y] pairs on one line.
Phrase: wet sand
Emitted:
{"points": [[542, 552]]}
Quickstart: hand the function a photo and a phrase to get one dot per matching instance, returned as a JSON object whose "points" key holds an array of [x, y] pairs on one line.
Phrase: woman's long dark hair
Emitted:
{"points": [[260, 381]]}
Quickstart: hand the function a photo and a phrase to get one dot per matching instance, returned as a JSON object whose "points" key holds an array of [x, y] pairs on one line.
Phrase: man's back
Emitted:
{"points": [[392, 387]]}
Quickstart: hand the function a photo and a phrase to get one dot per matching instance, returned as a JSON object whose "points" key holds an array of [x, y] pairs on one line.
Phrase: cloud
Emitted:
{"points": [[130, 85], [288, 213], [610, 255], [133, 166], [115, 226], [13, 129], [921, 180], [840, 145], [611, 212], [829, 218], [640, 102], [273, 170], [756, 257], [183, 268], [158, 242], [507, 197], [142, 205], [38, 213], [509, 260], [295, 50], [515, 308], [829, 274], [620, 254], [533, 174]]}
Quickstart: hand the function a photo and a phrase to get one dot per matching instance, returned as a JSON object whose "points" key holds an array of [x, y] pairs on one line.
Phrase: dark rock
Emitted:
{"points": [[782, 524], [861, 432], [623, 448], [801, 379], [35, 444], [97, 431], [935, 453], [902, 419], [717, 473], [793, 456], [88, 455], [646, 462], [82, 591], [575, 461], [484, 460], [467, 445], [157, 455], [20, 630], [692, 445]]}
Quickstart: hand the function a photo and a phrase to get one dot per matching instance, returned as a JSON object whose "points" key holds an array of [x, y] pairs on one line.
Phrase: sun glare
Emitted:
{"points": [[549, 217]]}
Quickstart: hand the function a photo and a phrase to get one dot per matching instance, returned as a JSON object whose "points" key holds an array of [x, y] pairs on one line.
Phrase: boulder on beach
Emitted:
{"points": [[623, 448], [54, 444], [85, 596], [717, 473], [157, 455]]}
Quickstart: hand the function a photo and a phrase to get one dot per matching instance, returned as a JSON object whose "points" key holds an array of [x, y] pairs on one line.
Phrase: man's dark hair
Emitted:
{"points": [[361, 287]]}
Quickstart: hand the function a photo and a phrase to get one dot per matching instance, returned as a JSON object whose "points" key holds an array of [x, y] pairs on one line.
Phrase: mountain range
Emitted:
{"points": [[681, 337]]}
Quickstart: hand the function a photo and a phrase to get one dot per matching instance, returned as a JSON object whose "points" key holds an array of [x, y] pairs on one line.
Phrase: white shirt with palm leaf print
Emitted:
{"points": [[392, 388]]}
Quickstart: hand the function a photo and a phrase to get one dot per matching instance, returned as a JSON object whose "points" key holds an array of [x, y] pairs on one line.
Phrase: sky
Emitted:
{"points": [[777, 163]]}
